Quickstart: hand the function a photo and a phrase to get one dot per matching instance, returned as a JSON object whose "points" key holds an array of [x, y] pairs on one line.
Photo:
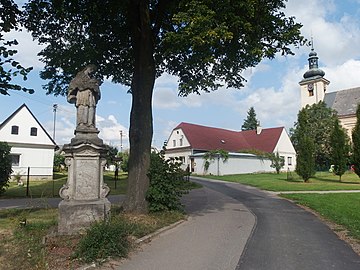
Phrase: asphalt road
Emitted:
{"points": [[213, 237], [285, 236]]}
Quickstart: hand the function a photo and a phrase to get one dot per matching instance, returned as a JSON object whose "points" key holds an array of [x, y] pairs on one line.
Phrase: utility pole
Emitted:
{"points": [[54, 110], [121, 145]]}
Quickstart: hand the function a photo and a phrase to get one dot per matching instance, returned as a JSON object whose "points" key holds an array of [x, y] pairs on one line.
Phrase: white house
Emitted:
{"points": [[31, 146], [190, 142]]}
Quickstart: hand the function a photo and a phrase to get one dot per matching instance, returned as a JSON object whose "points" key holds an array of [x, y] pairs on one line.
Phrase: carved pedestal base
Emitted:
{"points": [[85, 191], [75, 216]]}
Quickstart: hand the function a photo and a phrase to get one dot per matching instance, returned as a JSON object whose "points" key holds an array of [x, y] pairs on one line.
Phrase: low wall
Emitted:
{"points": [[236, 164]]}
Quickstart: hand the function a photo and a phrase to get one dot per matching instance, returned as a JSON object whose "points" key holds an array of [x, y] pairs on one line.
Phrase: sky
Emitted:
{"points": [[272, 87]]}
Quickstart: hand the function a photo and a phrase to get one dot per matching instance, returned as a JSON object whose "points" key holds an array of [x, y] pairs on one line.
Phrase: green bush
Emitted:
{"points": [[166, 184], [5, 166], [105, 239]]}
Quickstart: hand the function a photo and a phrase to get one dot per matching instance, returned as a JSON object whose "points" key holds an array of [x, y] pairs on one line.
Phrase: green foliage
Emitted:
{"points": [[305, 147], [104, 239], [111, 153], [339, 151], [355, 158], [124, 161], [277, 162], [166, 184], [59, 161], [250, 123], [212, 154], [5, 166], [201, 42], [9, 67], [320, 123]]}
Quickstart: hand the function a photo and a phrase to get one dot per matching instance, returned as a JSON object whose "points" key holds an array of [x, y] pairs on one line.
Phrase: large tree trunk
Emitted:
{"points": [[141, 126]]}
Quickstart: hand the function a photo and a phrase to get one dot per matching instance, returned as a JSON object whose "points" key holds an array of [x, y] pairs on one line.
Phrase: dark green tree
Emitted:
{"points": [[250, 123], [205, 43], [166, 183], [111, 153], [339, 151], [355, 158], [124, 161], [9, 67], [59, 161], [5, 166], [277, 161], [305, 147], [320, 125]]}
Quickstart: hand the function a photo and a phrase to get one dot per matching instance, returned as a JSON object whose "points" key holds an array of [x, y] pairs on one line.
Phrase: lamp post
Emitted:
{"points": [[54, 110], [121, 144]]}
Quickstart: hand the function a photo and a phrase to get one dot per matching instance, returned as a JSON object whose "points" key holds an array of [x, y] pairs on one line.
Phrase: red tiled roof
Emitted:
{"points": [[209, 138]]}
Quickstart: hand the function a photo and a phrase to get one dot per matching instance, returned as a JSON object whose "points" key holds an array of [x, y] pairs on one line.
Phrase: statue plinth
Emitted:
{"points": [[84, 194]]}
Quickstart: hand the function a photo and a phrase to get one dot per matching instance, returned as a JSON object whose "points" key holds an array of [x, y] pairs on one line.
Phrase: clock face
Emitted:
{"points": [[310, 86]]}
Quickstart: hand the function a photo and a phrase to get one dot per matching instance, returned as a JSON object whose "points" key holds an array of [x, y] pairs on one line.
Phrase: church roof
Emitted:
{"points": [[210, 138], [344, 102]]}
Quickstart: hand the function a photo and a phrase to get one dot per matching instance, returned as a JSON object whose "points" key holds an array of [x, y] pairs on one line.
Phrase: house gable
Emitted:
{"points": [[284, 144], [22, 127]]}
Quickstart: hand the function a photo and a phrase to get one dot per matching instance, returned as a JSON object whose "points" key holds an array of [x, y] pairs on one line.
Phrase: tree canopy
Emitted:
{"points": [[9, 67], [5, 166], [205, 43], [250, 123], [339, 151], [321, 121], [355, 158], [305, 147]]}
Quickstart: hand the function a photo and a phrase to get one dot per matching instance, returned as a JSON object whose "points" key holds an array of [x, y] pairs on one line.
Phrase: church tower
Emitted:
{"points": [[313, 86]]}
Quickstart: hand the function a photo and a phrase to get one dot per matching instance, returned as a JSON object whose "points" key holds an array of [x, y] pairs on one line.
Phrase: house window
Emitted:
{"points": [[181, 142], [33, 131], [289, 160], [15, 159], [174, 143], [15, 130], [311, 93]]}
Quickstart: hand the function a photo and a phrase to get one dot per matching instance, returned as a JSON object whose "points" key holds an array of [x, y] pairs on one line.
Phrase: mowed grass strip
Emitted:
{"points": [[341, 208], [50, 188], [22, 246], [292, 182]]}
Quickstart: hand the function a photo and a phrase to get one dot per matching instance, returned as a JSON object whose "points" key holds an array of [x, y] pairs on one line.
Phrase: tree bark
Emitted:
{"points": [[141, 122]]}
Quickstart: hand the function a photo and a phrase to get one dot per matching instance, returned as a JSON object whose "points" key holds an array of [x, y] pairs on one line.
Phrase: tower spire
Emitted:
{"points": [[313, 64]]}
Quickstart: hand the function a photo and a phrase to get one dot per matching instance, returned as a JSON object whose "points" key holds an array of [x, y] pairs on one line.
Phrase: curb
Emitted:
{"points": [[144, 239]]}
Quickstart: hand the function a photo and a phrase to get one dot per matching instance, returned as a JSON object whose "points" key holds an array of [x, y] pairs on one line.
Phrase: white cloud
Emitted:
{"points": [[335, 41], [27, 49], [343, 76]]}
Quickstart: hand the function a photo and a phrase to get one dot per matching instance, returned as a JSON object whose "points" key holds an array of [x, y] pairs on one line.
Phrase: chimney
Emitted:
{"points": [[258, 128]]}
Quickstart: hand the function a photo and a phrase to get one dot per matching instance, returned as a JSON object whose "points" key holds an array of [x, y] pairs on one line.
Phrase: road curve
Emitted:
{"points": [[286, 237], [213, 238]]}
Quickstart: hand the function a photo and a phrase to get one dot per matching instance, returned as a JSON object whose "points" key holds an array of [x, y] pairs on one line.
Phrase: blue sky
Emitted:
{"points": [[272, 87]]}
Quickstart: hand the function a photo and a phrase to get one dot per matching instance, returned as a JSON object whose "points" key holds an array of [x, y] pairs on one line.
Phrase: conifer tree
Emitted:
{"points": [[339, 149], [250, 123], [356, 143], [305, 148]]}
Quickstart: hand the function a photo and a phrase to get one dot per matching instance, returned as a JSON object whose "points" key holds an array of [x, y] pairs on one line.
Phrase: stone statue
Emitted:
{"points": [[84, 92]]}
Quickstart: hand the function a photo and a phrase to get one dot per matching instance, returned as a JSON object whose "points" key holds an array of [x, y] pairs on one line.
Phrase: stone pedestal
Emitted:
{"points": [[85, 192]]}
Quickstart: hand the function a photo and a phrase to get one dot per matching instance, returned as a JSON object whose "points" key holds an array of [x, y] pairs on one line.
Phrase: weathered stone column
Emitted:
{"points": [[84, 194]]}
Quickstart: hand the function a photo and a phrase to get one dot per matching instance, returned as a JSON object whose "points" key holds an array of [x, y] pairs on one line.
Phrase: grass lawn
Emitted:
{"points": [[21, 247], [343, 208], [43, 188], [280, 182]]}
